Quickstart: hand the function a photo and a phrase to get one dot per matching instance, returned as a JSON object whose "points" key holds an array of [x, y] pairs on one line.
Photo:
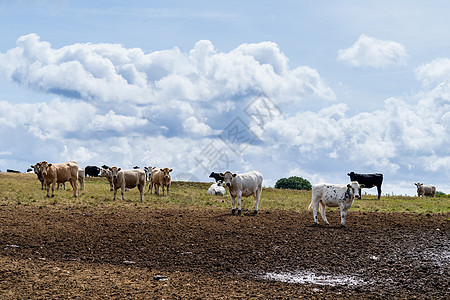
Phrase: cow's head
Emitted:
{"points": [[227, 177], [114, 171], [166, 172], [353, 189], [37, 168], [419, 186], [351, 174], [44, 167]]}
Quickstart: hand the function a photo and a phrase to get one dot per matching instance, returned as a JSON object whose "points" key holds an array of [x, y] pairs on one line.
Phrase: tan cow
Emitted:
{"points": [[425, 190], [161, 177], [107, 173], [38, 172], [60, 173], [151, 178], [128, 179]]}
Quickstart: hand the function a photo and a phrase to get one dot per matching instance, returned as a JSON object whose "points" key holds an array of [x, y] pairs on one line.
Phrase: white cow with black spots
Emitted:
{"points": [[333, 195]]}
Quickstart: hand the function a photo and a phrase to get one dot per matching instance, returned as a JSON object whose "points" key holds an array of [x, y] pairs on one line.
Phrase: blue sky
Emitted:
{"points": [[308, 88]]}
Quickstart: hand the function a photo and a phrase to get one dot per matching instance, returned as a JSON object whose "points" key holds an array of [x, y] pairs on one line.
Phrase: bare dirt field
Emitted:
{"points": [[53, 252]]}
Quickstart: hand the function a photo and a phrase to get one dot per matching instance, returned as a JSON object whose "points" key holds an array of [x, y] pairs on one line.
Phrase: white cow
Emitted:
{"points": [[216, 189], [128, 179], [107, 173], [243, 185], [425, 190], [333, 195]]}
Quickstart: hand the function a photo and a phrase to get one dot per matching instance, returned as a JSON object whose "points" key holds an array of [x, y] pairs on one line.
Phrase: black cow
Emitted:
{"points": [[12, 171], [369, 181], [92, 171], [216, 176]]}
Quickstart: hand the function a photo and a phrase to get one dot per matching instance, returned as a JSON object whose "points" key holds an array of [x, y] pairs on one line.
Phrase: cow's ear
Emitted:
{"points": [[49, 165], [170, 170], [348, 186], [234, 175], [119, 169]]}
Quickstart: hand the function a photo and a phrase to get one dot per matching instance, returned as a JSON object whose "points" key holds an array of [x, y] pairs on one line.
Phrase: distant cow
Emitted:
{"points": [[333, 195], [108, 174], [243, 185], [81, 178], [60, 173], [160, 178], [128, 179], [368, 180], [425, 190], [216, 189], [92, 171], [216, 176], [12, 171], [38, 172]]}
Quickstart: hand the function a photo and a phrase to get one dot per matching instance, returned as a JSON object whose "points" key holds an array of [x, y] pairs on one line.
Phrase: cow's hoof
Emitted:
{"points": [[233, 212], [53, 196], [255, 212], [239, 212]]}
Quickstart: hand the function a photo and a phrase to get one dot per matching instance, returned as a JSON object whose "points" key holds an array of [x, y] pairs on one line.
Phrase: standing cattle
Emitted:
{"points": [[128, 179], [216, 189], [38, 172], [107, 173], [216, 176], [368, 180], [160, 177], [92, 171], [425, 190], [243, 185], [333, 195], [81, 178], [60, 173]]}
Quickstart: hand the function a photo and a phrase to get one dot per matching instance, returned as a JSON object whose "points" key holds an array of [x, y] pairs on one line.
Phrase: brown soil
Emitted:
{"points": [[205, 254]]}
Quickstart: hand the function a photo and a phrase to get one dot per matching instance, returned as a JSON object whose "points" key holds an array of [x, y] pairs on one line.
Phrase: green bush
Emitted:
{"points": [[293, 183], [440, 194]]}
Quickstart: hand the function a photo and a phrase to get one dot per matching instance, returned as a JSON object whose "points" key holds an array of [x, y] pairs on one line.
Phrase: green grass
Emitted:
{"points": [[25, 190]]}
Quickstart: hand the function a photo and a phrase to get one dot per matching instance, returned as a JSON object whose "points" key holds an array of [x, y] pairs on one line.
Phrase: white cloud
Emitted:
{"points": [[435, 72], [371, 52]]}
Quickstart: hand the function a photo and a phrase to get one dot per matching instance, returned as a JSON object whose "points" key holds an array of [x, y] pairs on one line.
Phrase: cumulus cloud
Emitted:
{"points": [[375, 53], [125, 107]]}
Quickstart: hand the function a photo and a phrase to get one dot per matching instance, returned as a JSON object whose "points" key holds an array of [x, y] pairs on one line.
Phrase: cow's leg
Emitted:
{"points": [[239, 198], [47, 187], [257, 198], [379, 191], [315, 206], [322, 213], [122, 190], [233, 211], [74, 185], [115, 192], [343, 214], [141, 190], [168, 190]]}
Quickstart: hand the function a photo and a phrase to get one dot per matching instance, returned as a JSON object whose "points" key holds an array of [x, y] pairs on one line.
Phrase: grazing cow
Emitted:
{"points": [[92, 171], [368, 180], [107, 173], [425, 190], [160, 177], [60, 173], [216, 176], [243, 185], [216, 189], [38, 172], [128, 179], [12, 171], [333, 195]]}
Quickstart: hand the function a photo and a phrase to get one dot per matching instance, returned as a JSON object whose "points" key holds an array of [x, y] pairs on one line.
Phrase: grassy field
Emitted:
{"points": [[25, 189]]}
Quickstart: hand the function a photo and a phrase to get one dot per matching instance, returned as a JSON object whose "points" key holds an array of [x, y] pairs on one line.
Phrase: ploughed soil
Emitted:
{"points": [[140, 253]]}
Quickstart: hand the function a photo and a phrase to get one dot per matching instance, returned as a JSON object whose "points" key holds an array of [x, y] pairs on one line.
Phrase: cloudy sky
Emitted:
{"points": [[307, 88]]}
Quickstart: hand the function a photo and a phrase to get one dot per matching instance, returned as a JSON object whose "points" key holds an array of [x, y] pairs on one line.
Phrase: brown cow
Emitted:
{"points": [[38, 172], [128, 179], [60, 173], [161, 177]]}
